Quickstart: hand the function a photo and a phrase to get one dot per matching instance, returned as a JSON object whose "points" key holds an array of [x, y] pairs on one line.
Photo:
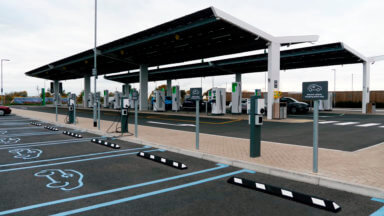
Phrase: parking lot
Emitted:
{"points": [[336, 131], [46, 172]]}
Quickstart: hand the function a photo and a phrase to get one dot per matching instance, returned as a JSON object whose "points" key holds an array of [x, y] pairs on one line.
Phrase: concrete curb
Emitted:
{"points": [[287, 174]]}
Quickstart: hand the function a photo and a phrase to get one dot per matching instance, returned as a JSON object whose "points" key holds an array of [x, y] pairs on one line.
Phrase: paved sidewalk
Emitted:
{"points": [[360, 171]]}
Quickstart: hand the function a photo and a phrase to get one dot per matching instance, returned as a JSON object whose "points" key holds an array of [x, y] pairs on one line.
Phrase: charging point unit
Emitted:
{"points": [[124, 114], [72, 108], [176, 98], [218, 99], [256, 121], [159, 102], [106, 99], [236, 98]]}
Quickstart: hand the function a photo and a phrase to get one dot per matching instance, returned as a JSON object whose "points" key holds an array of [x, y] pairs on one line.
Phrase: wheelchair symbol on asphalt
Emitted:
{"points": [[25, 153], [66, 180], [9, 140]]}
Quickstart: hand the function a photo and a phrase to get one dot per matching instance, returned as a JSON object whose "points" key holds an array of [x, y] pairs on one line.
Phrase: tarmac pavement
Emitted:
{"points": [[81, 177]]}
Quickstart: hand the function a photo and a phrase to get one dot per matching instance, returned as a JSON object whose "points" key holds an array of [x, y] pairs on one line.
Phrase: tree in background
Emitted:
{"points": [[9, 97]]}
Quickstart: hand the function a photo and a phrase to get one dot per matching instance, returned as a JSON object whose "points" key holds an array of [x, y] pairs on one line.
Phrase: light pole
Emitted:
{"points": [[334, 87], [2, 89], [94, 71]]}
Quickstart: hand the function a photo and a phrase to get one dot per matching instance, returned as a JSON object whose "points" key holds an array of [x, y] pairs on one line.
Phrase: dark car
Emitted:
{"points": [[5, 110], [294, 106], [191, 104]]}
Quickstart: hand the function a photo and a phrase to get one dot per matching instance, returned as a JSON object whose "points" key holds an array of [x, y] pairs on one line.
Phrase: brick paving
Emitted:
{"points": [[363, 167]]}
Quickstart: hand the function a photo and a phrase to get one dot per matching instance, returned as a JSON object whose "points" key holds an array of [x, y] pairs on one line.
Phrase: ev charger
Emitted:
{"points": [[106, 99], [124, 114], [236, 98], [91, 100], [259, 111], [260, 106], [218, 99], [159, 102], [131, 101], [117, 100], [71, 108], [176, 98]]}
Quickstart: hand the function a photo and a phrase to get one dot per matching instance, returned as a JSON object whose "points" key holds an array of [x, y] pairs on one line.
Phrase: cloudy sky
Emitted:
{"points": [[35, 33]]}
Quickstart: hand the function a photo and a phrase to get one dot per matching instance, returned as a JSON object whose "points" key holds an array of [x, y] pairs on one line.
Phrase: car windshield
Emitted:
{"points": [[292, 100]]}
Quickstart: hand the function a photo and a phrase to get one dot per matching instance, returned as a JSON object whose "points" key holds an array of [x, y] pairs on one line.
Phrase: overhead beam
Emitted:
{"points": [[297, 39]]}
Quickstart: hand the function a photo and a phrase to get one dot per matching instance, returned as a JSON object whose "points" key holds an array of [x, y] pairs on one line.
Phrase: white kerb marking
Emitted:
{"points": [[152, 156], [183, 165], [163, 160], [142, 153], [238, 181], [286, 193], [335, 205], [175, 164], [318, 202], [260, 186], [368, 125], [327, 122], [347, 123]]}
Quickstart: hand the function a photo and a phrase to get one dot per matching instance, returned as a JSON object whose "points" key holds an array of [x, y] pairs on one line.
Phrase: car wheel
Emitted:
{"points": [[2, 112], [293, 110]]}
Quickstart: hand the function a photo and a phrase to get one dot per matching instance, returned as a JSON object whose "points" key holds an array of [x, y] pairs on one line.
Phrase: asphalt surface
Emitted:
{"points": [[350, 137], [59, 174]]}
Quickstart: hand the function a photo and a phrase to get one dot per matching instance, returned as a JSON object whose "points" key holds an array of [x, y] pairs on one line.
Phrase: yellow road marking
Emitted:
{"points": [[183, 120]]}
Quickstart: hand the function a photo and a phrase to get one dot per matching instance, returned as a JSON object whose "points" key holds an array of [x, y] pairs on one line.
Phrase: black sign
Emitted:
{"points": [[196, 93], [315, 90], [135, 95]]}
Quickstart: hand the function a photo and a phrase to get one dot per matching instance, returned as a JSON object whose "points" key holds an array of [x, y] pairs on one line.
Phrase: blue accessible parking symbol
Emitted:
{"points": [[66, 180]]}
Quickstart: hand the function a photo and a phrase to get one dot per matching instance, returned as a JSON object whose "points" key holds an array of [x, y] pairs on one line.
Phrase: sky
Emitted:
{"points": [[35, 33]]}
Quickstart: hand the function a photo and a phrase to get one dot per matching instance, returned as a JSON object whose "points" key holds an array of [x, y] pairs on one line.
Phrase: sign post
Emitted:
{"points": [[196, 94], [135, 97], [315, 91]]}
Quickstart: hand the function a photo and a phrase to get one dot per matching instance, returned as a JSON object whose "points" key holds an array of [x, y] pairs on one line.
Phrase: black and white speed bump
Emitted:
{"points": [[106, 143], [162, 160], [51, 128], [35, 123], [287, 194], [72, 134]]}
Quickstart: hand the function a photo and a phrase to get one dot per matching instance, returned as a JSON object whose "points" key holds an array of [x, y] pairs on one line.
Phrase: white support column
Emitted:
{"points": [[169, 87], [87, 89], [143, 100], [366, 81], [273, 75], [238, 77]]}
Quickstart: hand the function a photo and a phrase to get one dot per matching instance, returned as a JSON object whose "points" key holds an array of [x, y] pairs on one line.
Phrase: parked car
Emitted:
{"points": [[191, 104], [243, 106], [294, 106], [4, 110]]}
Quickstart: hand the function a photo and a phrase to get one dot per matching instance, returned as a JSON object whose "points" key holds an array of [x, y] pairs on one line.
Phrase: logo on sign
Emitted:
{"points": [[195, 92], [314, 88]]}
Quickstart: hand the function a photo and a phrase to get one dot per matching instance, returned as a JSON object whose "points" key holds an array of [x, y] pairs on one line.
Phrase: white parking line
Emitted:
{"points": [[328, 122], [163, 123], [368, 125], [381, 127], [347, 123]]}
